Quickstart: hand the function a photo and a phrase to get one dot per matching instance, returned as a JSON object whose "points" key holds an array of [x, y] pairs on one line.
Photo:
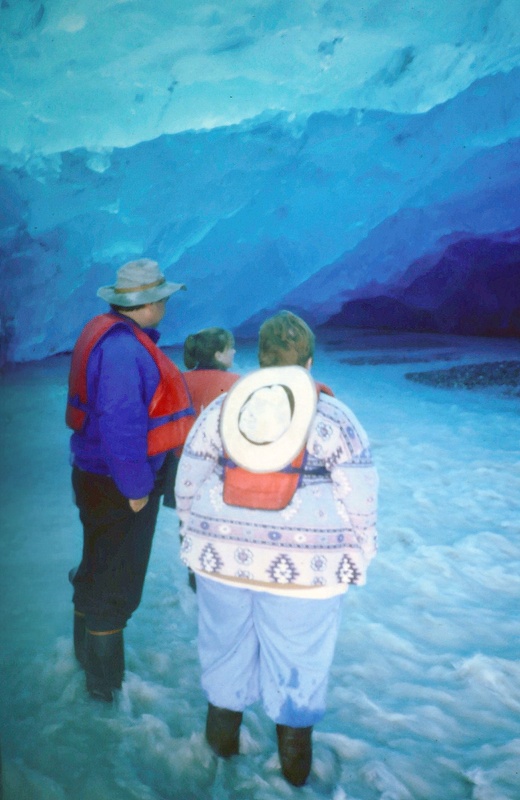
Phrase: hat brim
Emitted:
{"points": [[273, 456], [125, 299]]}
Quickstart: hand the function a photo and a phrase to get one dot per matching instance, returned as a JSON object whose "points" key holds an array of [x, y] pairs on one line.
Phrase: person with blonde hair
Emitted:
{"points": [[277, 495]]}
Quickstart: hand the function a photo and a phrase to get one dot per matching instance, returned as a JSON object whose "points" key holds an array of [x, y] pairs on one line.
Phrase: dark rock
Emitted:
{"points": [[504, 374]]}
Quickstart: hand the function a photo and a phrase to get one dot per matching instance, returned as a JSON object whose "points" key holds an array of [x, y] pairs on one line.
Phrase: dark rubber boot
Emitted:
{"points": [[295, 750], [222, 730], [192, 583], [104, 663], [79, 637]]}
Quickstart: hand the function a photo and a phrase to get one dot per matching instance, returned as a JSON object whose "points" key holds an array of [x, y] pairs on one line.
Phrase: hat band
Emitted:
{"points": [[142, 288]]}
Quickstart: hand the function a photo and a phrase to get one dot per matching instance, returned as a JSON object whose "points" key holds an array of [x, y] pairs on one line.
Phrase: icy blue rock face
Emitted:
{"points": [[308, 211], [472, 290]]}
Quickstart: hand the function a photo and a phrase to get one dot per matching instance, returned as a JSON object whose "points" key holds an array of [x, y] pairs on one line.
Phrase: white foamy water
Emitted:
{"points": [[424, 699]]}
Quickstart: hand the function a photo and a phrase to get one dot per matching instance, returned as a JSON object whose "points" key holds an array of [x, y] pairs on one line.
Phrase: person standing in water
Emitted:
{"points": [[128, 405], [277, 495], [208, 357]]}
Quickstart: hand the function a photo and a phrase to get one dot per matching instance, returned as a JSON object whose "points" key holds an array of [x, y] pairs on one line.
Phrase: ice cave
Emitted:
{"points": [[359, 165]]}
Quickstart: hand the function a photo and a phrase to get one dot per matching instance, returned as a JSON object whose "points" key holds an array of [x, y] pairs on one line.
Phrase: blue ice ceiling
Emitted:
{"points": [[359, 163]]}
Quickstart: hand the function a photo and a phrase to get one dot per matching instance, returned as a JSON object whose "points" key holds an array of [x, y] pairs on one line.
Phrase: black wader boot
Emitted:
{"points": [[295, 750], [79, 629], [79, 635], [192, 583], [222, 730], [104, 663]]}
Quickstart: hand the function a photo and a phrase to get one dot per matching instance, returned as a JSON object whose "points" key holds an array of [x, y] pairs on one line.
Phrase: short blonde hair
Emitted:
{"points": [[285, 339]]}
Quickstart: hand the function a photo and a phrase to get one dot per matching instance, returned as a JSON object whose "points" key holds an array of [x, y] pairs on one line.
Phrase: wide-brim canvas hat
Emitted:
{"points": [[138, 282], [266, 417]]}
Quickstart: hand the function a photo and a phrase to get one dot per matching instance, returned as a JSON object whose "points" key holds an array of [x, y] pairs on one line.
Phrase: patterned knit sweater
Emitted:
{"points": [[320, 543]]}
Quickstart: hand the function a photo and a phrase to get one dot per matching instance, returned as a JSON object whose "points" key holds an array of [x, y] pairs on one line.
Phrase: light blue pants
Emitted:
{"points": [[259, 646]]}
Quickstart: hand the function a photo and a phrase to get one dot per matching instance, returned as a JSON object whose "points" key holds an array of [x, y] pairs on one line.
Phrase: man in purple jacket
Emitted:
{"points": [[128, 406]]}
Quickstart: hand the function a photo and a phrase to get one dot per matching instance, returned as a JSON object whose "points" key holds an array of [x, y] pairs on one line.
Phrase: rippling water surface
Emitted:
{"points": [[424, 700]]}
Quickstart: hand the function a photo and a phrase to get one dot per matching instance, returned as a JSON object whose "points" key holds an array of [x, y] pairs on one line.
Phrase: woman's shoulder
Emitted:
{"points": [[335, 413]]}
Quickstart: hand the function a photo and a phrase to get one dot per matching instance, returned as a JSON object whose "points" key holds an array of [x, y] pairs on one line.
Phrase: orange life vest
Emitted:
{"points": [[170, 412], [267, 490], [205, 385]]}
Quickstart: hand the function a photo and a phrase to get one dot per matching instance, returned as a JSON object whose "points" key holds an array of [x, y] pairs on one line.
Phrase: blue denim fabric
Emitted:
{"points": [[260, 646]]}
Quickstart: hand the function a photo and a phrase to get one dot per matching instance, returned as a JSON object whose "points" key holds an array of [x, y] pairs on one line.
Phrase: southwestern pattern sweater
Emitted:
{"points": [[320, 543]]}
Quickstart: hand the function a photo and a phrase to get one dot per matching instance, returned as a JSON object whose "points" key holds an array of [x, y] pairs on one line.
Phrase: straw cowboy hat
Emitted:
{"points": [[266, 417], [138, 282]]}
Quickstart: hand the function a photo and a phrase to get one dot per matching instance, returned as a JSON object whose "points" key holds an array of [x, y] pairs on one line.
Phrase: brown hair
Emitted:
{"points": [[285, 339], [200, 348], [122, 309]]}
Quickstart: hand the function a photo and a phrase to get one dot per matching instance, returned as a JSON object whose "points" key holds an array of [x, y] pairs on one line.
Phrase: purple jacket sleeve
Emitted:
{"points": [[126, 377]]}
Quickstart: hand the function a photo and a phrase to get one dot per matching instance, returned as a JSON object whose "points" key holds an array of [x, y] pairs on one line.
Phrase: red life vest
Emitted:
{"points": [[170, 411], [206, 385], [267, 490]]}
